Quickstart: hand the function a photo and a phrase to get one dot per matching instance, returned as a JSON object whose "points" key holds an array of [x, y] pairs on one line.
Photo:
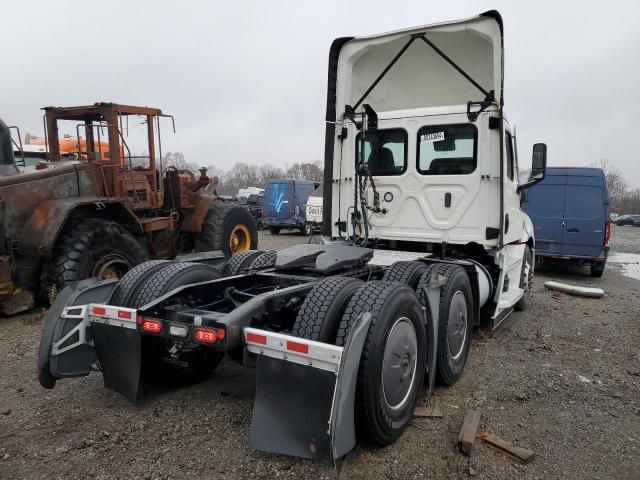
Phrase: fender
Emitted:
{"points": [[42, 229], [194, 218]]}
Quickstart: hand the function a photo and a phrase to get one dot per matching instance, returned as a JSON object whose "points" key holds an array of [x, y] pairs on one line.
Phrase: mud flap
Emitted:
{"points": [[66, 349], [304, 406]]}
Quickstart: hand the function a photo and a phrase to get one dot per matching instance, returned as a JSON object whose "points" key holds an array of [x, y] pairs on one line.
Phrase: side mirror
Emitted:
{"points": [[539, 161], [538, 166]]}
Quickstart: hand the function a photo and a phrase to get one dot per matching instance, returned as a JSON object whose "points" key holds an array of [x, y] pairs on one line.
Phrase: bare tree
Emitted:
{"points": [[307, 171]]}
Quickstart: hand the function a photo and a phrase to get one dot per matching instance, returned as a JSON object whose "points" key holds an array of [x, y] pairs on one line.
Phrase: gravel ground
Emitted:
{"points": [[562, 379]]}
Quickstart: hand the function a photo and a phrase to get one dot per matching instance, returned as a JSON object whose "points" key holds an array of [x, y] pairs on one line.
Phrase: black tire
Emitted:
{"points": [[391, 305], [88, 249], [219, 226], [274, 230], [408, 273], [266, 260], [133, 279], [454, 331], [526, 280], [597, 269], [200, 361], [321, 312], [307, 230], [238, 263]]}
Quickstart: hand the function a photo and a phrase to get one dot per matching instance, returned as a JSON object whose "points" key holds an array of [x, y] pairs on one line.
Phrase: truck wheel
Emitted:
{"points": [[393, 360], [92, 248], [307, 230], [238, 263], [454, 323], [266, 260], [193, 365], [274, 230], [597, 269], [133, 279], [408, 273], [526, 280], [321, 312], [228, 228]]}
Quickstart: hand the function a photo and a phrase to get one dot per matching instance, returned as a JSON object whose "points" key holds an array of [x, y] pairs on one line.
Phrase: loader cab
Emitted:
{"points": [[7, 159], [419, 118]]}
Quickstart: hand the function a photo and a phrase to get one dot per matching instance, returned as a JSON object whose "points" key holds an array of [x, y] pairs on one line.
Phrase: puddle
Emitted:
{"points": [[627, 263]]}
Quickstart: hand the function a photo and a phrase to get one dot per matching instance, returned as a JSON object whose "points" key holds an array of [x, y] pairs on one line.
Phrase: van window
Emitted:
{"points": [[583, 202], [447, 149], [385, 151], [509, 149]]}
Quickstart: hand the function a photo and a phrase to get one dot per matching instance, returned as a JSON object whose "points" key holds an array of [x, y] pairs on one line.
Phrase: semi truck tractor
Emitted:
{"points": [[424, 240]]}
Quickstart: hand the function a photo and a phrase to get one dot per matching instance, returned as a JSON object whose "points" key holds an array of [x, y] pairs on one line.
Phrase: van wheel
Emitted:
{"points": [[393, 360], [454, 323], [274, 230], [526, 280], [307, 230], [321, 312], [597, 269]]}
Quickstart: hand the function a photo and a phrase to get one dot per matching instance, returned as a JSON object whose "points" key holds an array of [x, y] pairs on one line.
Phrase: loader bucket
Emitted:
{"points": [[82, 334], [305, 393]]}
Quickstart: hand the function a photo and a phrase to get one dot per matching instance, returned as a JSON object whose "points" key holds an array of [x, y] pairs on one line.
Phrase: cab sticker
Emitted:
{"points": [[432, 137]]}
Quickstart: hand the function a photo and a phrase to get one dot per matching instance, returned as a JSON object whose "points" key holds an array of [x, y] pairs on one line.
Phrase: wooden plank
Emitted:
{"points": [[427, 412], [468, 431], [518, 453]]}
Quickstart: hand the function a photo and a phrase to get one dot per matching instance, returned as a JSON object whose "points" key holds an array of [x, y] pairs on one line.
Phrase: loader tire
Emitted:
{"points": [[455, 321], [526, 281], [266, 260], [321, 312], [91, 248], [408, 273], [228, 228], [393, 360], [238, 263], [200, 361]]}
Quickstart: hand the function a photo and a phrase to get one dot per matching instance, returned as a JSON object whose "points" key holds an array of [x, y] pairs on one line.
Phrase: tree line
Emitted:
{"points": [[623, 198], [242, 175]]}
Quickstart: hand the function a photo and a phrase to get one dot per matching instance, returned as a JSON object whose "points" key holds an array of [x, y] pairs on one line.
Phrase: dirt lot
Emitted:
{"points": [[562, 379]]}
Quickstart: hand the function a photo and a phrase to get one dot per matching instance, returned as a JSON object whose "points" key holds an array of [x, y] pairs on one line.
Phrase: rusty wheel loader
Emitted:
{"points": [[102, 212]]}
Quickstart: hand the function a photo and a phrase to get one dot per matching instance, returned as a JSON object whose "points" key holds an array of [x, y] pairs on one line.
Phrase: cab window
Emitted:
{"points": [[385, 151], [447, 149], [510, 160]]}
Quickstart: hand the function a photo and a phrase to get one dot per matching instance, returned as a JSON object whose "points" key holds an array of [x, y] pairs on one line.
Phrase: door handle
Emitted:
{"points": [[573, 230]]}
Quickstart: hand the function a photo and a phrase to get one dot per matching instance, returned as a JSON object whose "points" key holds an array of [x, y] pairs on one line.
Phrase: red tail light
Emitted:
{"points": [[205, 335], [607, 232], [151, 326]]}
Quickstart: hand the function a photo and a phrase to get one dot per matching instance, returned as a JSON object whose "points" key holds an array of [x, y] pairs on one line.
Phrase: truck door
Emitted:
{"points": [[513, 215], [584, 216], [545, 207]]}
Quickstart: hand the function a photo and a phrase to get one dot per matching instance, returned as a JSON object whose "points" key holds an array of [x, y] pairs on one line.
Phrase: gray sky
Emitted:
{"points": [[246, 80]]}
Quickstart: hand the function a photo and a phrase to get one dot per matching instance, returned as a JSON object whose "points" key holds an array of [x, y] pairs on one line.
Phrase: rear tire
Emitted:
{"points": [[597, 269], [393, 360], [454, 323], [321, 312], [261, 262], [526, 280], [238, 263], [228, 228], [274, 230], [133, 279], [408, 273], [92, 248]]}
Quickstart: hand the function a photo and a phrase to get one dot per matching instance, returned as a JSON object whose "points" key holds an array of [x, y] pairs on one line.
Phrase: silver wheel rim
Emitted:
{"points": [[457, 324], [399, 364]]}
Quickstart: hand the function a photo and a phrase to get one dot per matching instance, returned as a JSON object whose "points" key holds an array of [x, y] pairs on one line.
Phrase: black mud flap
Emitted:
{"points": [[66, 349], [304, 411]]}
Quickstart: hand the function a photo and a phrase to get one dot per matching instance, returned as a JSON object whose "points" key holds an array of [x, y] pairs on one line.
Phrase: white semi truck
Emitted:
{"points": [[424, 240]]}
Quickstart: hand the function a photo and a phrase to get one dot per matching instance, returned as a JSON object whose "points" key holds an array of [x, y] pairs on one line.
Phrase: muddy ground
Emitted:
{"points": [[562, 379]]}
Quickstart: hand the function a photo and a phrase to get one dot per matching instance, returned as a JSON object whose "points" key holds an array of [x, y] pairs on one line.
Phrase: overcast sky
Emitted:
{"points": [[246, 80]]}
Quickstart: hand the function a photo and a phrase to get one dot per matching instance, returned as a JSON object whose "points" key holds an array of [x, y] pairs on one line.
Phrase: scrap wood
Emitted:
{"points": [[427, 412], [518, 453], [575, 289], [468, 431]]}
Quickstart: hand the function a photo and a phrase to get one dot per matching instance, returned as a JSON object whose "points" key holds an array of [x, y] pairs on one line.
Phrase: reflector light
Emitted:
{"points": [[205, 336], [298, 347], [124, 314], [99, 311], [607, 232], [151, 326], [255, 338], [178, 331], [221, 334]]}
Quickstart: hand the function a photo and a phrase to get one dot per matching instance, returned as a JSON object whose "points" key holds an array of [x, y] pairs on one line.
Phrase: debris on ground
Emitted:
{"points": [[590, 292], [517, 453], [427, 412], [468, 431]]}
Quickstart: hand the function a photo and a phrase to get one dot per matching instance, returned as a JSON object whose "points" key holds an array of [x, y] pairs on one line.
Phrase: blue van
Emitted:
{"points": [[570, 213], [284, 204]]}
